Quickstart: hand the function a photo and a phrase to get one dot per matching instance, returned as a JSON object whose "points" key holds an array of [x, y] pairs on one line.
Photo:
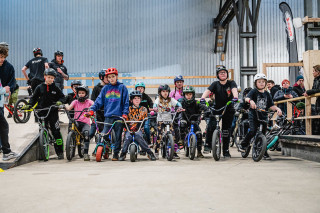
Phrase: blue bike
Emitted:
{"points": [[190, 141]]}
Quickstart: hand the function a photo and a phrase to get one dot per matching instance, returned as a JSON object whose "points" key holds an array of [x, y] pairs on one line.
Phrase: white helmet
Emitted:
{"points": [[259, 76]]}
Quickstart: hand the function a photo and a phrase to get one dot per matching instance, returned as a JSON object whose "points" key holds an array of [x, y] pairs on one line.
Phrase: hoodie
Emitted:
{"points": [[299, 90], [55, 65], [114, 98], [7, 76]]}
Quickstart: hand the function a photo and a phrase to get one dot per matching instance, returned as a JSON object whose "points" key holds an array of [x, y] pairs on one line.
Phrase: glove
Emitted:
{"points": [[203, 101], [235, 99], [125, 117], [89, 114], [58, 103]]}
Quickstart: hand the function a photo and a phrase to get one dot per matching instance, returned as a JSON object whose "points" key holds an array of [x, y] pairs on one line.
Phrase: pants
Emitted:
{"points": [[84, 128], [254, 125], [184, 127], [147, 131], [138, 138], [52, 121], [13, 97], [4, 133], [118, 127], [227, 119]]}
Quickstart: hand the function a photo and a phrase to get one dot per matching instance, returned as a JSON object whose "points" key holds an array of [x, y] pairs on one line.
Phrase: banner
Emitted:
{"points": [[291, 40]]}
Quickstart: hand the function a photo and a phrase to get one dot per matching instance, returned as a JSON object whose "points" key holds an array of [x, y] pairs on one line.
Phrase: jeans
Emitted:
{"points": [[4, 132], [139, 140], [147, 131], [118, 127]]}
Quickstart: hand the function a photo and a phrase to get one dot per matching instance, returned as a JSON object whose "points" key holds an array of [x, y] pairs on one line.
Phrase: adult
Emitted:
{"points": [[58, 66], [7, 85], [298, 87], [37, 65], [285, 93], [272, 87], [224, 90]]}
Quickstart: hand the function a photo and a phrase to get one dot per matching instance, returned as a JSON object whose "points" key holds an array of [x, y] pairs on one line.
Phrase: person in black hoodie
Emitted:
{"points": [[95, 93], [47, 94], [57, 65], [272, 87], [298, 87], [191, 107]]}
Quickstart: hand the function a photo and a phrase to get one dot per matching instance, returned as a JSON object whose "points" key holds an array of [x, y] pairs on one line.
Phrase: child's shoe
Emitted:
{"points": [[9, 156], [60, 156], [86, 157], [151, 156], [200, 155], [115, 157], [175, 156], [157, 156], [122, 156]]}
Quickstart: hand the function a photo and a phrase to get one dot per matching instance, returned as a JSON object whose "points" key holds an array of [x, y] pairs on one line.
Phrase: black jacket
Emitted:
{"points": [[46, 95], [298, 89], [54, 65], [7, 76], [274, 89], [95, 93], [315, 89], [191, 109]]}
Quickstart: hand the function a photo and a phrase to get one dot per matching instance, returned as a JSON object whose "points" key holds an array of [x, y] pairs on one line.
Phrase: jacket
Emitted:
{"points": [[7, 76], [46, 95], [315, 89]]}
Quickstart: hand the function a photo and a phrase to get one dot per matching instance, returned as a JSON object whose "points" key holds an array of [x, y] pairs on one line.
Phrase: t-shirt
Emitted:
{"points": [[36, 66], [263, 100], [79, 106], [222, 92]]}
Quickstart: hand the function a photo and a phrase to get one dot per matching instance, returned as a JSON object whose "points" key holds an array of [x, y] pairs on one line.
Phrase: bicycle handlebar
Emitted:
{"points": [[48, 108]]}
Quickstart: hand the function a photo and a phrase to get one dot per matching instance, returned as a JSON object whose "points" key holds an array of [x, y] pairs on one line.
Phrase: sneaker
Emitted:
{"points": [[86, 157], [157, 156], [115, 157], [175, 156], [206, 149], [226, 154], [200, 155], [266, 156], [60, 156], [9, 156], [122, 156], [151, 156], [143, 153]]}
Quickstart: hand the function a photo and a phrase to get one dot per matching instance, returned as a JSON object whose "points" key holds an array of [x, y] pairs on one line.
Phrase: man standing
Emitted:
{"points": [[57, 65], [7, 86]]}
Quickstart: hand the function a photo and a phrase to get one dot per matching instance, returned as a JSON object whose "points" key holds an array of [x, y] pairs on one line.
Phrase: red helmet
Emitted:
{"points": [[111, 70]]}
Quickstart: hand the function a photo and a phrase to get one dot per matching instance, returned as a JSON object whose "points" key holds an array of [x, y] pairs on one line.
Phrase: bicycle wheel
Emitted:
{"points": [[163, 148], [193, 145], [170, 147], [186, 149], [232, 138], [43, 145], [133, 151], [99, 153], [259, 147], [81, 148], [70, 145], [20, 115], [216, 145]]}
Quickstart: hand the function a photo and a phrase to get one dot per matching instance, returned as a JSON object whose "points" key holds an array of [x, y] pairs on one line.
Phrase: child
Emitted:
{"points": [[136, 113], [147, 102], [177, 93], [191, 107], [114, 98], [164, 103], [72, 96], [47, 94], [261, 99], [95, 93], [81, 103]]}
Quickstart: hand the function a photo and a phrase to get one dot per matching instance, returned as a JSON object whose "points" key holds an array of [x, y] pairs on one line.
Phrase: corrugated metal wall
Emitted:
{"points": [[139, 37]]}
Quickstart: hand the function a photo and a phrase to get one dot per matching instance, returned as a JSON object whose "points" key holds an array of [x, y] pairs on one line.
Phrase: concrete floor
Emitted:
{"points": [[283, 184]]}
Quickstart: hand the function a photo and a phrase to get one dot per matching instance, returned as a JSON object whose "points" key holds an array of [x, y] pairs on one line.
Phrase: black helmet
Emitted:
{"points": [[37, 51], [51, 72], [75, 82], [163, 87], [58, 52], [135, 93], [102, 73], [83, 88], [220, 68]]}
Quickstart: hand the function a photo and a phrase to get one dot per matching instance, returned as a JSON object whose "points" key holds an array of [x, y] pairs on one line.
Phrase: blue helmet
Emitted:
{"points": [[140, 84], [178, 78]]}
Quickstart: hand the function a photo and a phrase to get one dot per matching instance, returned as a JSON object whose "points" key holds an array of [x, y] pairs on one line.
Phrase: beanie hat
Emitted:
{"points": [[299, 77], [285, 80]]}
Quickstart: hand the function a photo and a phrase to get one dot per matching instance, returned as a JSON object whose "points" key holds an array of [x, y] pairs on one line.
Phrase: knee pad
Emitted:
{"points": [[59, 141], [86, 135]]}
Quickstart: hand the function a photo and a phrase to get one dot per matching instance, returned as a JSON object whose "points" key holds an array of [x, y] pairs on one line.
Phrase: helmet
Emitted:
{"points": [[163, 87], [75, 82], [51, 72], [82, 88], [178, 78], [220, 68], [37, 51], [189, 89], [58, 52], [4, 44], [134, 94], [111, 71], [246, 91], [102, 73], [259, 76], [140, 84]]}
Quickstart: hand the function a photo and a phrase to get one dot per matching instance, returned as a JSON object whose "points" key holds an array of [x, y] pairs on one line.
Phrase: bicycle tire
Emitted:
{"points": [[259, 147], [170, 147], [186, 149], [99, 153], [70, 145], [193, 146], [216, 145], [81, 148], [21, 117], [163, 148], [43, 145], [132, 151]]}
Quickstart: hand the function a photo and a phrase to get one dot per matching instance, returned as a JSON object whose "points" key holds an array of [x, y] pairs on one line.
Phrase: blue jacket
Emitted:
{"points": [[7, 76], [114, 98]]}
